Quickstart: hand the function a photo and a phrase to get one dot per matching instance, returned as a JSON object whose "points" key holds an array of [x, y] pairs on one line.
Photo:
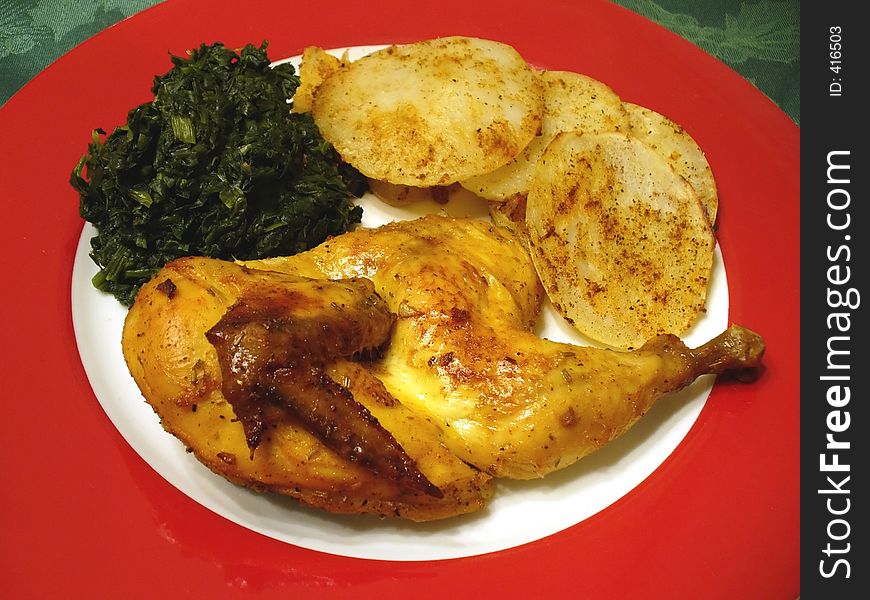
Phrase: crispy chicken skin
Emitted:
{"points": [[295, 326], [463, 380], [273, 345]]}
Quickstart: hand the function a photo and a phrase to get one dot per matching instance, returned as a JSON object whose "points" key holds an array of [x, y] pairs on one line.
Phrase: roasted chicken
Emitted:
{"points": [[450, 391]]}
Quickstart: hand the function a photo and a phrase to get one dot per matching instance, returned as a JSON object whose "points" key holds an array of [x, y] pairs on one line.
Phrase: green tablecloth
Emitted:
{"points": [[760, 39]]}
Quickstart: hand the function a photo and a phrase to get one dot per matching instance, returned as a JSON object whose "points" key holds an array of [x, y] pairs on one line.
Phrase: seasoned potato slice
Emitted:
{"points": [[572, 102], [511, 179], [576, 102], [511, 214], [433, 112], [680, 150], [316, 66], [405, 195], [620, 241]]}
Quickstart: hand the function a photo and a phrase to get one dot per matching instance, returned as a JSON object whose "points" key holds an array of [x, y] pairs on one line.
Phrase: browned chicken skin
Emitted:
{"points": [[298, 324], [463, 379], [272, 346]]}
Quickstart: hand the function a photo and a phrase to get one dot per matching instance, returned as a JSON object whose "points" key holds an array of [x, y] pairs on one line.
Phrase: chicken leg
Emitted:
{"points": [[462, 381], [463, 351]]}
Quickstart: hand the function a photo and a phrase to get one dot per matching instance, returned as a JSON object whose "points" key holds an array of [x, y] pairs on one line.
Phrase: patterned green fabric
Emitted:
{"points": [[760, 39], [34, 33]]}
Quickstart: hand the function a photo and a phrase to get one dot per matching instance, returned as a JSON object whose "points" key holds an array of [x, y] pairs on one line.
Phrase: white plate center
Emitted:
{"points": [[521, 512]]}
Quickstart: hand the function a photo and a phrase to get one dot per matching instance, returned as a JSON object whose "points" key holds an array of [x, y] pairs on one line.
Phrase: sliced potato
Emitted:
{"points": [[572, 102], [680, 150], [316, 66], [619, 240], [576, 102], [511, 179], [433, 112], [511, 214], [404, 195]]}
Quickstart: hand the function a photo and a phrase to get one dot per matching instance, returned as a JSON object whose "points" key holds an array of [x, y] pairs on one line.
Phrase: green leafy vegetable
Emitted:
{"points": [[215, 165]]}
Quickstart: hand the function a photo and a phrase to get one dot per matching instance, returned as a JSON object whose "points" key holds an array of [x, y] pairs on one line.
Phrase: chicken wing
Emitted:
{"points": [[272, 346]]}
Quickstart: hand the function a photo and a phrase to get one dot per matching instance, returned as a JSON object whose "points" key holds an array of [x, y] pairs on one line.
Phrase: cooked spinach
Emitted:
{"points": [[215, 165]]}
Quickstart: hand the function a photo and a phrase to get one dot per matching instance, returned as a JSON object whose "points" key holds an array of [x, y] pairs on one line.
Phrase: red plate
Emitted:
{"points": [[81, 513]]}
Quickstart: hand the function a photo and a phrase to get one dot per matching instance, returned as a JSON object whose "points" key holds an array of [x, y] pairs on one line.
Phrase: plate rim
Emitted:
{"points": [[53, 256]]}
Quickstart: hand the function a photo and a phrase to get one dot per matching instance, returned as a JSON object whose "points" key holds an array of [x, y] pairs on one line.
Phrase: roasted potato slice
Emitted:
{"points": [[404, 195], [431, 113], [620, 241], [680, 150], [316, 66], [572, 102], [577, 102], [511, 214]]}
